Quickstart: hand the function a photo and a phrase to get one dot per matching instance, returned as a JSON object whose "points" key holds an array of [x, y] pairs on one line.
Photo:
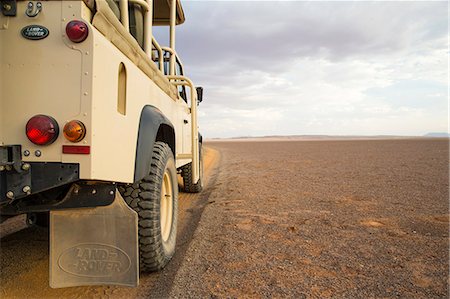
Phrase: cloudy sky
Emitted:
{"points": [[335, 68]]}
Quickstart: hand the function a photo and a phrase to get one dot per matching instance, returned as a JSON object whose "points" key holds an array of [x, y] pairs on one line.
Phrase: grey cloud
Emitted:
{"points": [[231, 47], [267, 35]]}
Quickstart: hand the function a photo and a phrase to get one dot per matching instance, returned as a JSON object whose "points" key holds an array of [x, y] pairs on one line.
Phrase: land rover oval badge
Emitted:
{"points": [[35, 32]]}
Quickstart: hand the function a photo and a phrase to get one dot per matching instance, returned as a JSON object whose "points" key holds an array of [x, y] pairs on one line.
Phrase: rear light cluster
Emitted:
{"points": [[44, 130], [77, 31]]}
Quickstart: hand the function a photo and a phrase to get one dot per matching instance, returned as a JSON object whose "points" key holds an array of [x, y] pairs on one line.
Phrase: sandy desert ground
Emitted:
{"points": [[24, 255], [345, 219], [298, 219]]}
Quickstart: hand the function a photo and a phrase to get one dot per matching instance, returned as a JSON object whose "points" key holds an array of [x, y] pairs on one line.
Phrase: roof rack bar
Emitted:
{"points": [[173, 21], [148, 24], [123, 4]]}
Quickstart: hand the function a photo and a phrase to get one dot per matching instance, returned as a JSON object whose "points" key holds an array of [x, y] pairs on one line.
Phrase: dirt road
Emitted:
{"points": [[309, 219], [24, 254]]}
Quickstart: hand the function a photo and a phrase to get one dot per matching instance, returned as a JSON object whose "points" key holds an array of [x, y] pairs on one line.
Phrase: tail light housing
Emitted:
{"points": [[42, 129], [77, 31], [74, 131]]}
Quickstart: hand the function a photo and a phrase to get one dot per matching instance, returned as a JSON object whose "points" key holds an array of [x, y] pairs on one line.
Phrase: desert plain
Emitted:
{"points": [[287, 219]]}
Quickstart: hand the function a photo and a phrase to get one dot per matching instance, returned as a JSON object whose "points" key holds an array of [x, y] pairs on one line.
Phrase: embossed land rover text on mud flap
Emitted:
{"points": [[94, 246]]}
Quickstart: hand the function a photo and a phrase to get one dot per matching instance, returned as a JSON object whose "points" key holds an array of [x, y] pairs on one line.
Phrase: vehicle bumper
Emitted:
{"points": [[43, 186], [19, 179]]}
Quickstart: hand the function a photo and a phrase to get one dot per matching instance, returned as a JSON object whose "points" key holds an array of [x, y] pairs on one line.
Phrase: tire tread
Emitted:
{"points": [[143, 197]]}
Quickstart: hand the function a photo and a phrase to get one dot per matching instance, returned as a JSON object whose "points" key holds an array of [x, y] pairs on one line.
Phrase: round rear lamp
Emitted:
{"points": [[77, 31], [42, 129], [74, 131]]}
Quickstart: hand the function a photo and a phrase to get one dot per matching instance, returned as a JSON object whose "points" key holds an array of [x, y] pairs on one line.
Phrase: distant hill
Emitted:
{"points": [[316, 137], [437, 135]]}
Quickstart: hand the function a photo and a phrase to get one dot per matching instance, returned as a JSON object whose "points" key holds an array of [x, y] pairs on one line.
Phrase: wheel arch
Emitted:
{"points": [[153, 126]]}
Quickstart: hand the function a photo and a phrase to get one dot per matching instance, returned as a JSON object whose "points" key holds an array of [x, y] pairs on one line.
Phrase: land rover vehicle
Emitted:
{"points": [[95, 124]]}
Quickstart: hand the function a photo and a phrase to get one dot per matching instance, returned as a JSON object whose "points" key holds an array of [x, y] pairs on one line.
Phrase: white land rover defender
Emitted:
{"points": [[95, 125]]}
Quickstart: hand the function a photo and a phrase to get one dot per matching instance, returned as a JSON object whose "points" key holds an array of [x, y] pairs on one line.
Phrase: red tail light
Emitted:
{"points": [[77, 31], [42, 129]]}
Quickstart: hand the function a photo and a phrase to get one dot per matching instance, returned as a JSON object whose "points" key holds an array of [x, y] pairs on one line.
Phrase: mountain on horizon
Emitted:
{"points": [[437, 134]]}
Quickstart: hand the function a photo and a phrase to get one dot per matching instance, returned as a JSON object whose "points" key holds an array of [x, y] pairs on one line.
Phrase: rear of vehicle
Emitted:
{"points": [[42, 88], [86, 107], [71, 103]]}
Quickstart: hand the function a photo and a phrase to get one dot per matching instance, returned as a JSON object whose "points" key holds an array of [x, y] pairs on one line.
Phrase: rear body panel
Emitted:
{"points": [[37, 76], [67, 81]]}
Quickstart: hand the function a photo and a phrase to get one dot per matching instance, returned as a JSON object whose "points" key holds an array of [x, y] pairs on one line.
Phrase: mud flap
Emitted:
{"points": [[94, 246]]}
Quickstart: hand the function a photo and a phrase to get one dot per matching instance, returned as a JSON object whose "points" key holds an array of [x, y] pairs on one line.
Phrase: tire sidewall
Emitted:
{"points": [[169, 245], [201, 170]]}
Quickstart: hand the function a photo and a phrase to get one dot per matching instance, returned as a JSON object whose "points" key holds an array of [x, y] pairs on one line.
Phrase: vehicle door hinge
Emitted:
{"points": [[9, 7]]}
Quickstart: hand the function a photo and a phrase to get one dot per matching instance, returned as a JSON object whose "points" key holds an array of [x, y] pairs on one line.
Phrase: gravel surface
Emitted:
{"points": [[297, 219], [345, 219]]}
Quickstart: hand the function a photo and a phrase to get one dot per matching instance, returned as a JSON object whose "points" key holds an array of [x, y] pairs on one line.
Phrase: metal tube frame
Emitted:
{"points": [[173, 58], [182, 80], [174, 53], [123, 4], [160, 54], [147, 6], [149, 43], [173, 18]]}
